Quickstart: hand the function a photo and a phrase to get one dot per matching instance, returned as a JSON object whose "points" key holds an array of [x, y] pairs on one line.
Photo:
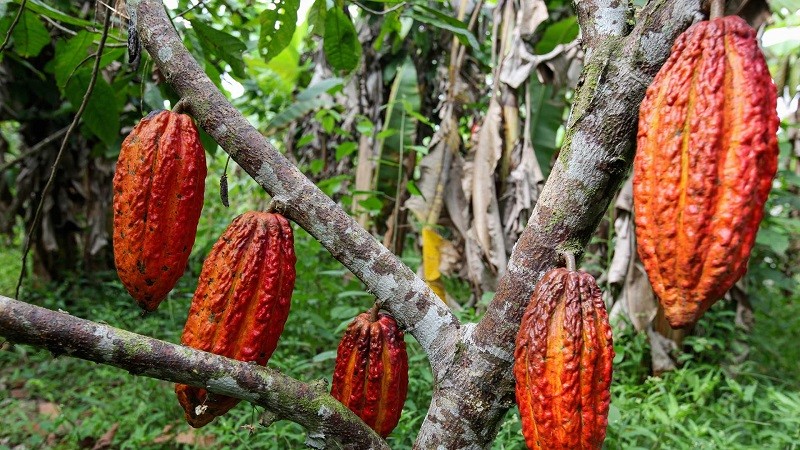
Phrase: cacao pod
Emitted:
{"points": [[371, 374], [562, 364], [707, 153], [158, 195], [241, 303]]}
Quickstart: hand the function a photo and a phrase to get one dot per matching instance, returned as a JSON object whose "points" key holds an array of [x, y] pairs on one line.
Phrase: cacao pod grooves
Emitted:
{"points": [[241, 302], [707, 153], [158, 195], [562, 364], [371, 374]]}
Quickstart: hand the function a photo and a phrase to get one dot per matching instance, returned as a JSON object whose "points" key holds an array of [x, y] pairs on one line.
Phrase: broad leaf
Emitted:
{"points": [[316, 17], [222, 45], [40, 7], [277, 27], [69, 54], [30, 36], [561, 32], [458, 28], [546, 113], [341, 46], [101, 116], [308, 100]]}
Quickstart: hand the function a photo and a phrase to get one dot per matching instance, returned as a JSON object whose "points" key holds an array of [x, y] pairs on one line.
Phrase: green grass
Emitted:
{"points": [[64, 403], [91, 398], [707, 404], [10, 258]]}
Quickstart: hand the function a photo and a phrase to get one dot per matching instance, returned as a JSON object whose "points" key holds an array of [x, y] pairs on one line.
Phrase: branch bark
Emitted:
{"points": [[597, 153], [396, 287], [329, 423], [601, 19]]}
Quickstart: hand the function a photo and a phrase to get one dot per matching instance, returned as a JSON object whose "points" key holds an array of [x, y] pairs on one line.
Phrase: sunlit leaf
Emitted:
{"points": [[278, 23], [222, 45], [341, 46]]}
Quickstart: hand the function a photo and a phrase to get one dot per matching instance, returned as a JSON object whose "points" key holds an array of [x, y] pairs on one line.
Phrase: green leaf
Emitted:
{"points": [[775, 239], [277, 27], [547, 107], [69, 54], [39, 7], [371, 204], [222, 45], [316, 166], [561, 32], [345, 149], [341, 46], [101, 116], [306, 101], [305, 140], [326, 85], [412, 188], [316, 17], [209, 144], [30, 36], [387, 133], [433, 17], [324, 356]]}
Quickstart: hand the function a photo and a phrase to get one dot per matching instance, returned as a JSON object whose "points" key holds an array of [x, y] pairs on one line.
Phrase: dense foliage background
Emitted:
{"points": [[374, 101]]}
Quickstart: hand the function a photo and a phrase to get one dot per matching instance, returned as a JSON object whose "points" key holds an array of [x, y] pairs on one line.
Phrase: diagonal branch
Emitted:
{"points": [[594, 160], [396, 287], [329, 423], [601, 19]]}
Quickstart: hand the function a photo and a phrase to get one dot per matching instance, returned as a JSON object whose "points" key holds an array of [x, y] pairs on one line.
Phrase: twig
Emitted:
{"points": [[40, 145], [187, 10], [59, 26], [13, 25], [380, 13], [75, 120], [75, 69]]}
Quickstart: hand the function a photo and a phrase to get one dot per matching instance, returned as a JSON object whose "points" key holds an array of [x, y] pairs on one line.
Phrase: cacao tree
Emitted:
{"points": [[472, 363]]}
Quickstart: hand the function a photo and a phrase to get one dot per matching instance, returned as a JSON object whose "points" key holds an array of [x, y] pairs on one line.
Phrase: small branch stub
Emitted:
{"points": [[569, 258], [373, 312], [717, 9], [180, 106]]}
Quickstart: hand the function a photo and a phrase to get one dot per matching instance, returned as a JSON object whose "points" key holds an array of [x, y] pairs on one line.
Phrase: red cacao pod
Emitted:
{"points": [[241, 302], [707, 153], [371, 375], [158, 195], [562, 364]]}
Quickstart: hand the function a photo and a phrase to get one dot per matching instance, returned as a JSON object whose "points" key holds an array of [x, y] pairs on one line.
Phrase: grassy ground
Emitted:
{"points": [[64, 403]]}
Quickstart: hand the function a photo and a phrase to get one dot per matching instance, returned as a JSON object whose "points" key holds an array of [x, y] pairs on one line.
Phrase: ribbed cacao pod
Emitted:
{"points": [[371, 374], [241, 302], [158, 195], [562, 364], [707, 153]]}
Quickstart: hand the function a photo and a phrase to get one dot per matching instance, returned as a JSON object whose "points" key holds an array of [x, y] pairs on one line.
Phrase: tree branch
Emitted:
{"points": [[396, 287], [329, 423], [596, 155], [601, 19]]}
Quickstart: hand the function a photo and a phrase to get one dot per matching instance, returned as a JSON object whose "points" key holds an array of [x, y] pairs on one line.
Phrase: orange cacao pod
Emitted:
{"points": [[241, 302], [158, 196], [371, 375], [707, 153], [562, 364]]}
